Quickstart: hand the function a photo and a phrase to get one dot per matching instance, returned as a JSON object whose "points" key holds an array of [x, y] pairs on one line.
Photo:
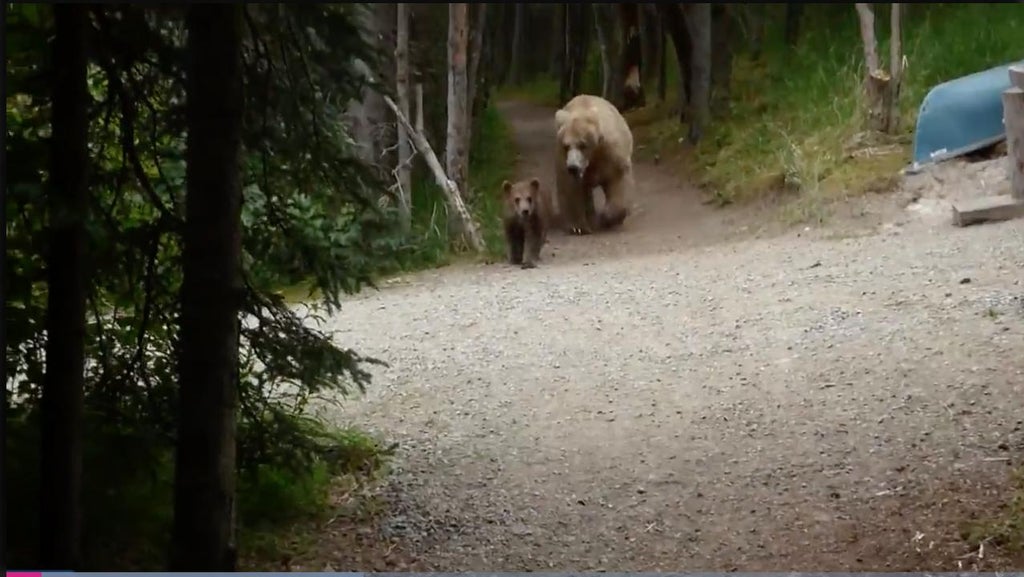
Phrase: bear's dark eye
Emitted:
{"points": [[582, 146], [529, 200]]}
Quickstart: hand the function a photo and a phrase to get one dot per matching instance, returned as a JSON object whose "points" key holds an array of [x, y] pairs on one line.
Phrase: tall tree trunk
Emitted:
{"points": [[662, 60], [794, 14], [203, 536], [649, 42], [366, 116], [699, 21], [604, 20], [475, 55], [501, 42], [557, 53], [402, 89], [895, 66], [456, 151], [632, 56], [676, 23], [721, 51], [516, 57], [577, 45], [60, 506]]}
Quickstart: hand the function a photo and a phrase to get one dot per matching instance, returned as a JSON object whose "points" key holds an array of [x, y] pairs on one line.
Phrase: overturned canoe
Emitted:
{"points": [[961, 116]]}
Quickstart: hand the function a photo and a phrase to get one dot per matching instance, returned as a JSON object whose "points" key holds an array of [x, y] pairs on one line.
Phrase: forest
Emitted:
{"points": [[179, 176]]}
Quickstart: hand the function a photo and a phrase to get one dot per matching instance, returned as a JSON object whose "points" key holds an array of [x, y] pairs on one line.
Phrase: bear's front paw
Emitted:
{"points": [[529, 264], [580, 230]]}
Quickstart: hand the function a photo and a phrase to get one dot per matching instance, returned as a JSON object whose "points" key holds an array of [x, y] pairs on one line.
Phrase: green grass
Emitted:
{"points": [[128, 496], [795, 116], [491, 160], [1003, 530]]}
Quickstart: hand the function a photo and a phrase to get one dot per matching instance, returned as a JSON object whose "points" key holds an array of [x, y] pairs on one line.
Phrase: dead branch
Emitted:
{"points": [[450, 189]]}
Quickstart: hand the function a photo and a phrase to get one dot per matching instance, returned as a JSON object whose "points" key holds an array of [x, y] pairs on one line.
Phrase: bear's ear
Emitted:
{"points": [[534, 185], [506, 187], [560, 117]]}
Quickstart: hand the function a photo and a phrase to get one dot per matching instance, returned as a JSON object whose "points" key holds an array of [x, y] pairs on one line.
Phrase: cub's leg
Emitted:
{"points": [[514, 241], [534, 242]]}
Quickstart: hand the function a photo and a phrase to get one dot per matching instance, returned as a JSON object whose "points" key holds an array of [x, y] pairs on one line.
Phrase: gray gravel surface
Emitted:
{"points": [[790, 402]]}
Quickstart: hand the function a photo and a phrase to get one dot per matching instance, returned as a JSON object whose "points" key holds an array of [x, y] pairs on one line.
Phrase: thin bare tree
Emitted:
{"points": [[699, 22], [456, 151], [402, 89]]}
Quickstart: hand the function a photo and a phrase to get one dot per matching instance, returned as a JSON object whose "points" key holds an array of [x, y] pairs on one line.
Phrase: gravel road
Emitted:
{"points": [[692, 394]]}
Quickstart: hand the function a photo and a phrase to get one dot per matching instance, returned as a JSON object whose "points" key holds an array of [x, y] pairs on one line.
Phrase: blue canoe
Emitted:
{"points": [[961, 116]]}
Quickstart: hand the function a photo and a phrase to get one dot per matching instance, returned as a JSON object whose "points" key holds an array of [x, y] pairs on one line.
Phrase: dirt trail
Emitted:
{"points": [[680, 395], [667, 214]]}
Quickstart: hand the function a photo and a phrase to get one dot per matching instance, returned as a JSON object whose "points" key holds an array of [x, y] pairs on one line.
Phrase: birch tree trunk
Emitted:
{"points": [[402, 88], [456, 151], [451, 192]]}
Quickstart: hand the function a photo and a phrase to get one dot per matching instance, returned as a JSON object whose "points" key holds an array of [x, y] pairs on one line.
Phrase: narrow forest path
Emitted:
{"points": [[667, 214], [673, 396]]}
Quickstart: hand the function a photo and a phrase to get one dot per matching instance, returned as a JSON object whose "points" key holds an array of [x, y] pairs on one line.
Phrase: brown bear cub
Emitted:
{"points": [[526, 221]]}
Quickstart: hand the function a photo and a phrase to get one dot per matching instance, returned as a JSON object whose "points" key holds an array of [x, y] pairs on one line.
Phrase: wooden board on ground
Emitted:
{"points": [[987, 209], [1006, 206]]}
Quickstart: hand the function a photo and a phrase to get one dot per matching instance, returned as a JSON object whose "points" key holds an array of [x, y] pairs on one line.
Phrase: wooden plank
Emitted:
{"points": [[987, 209], [1013, 118], [1017, 76]]}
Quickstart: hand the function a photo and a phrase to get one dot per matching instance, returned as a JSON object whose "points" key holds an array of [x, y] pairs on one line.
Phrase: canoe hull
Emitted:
{"points": [[961, 116]]}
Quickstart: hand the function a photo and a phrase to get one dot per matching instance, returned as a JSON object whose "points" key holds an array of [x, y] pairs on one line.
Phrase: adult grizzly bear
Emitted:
{"points": [[525, 219], [595, 148]]}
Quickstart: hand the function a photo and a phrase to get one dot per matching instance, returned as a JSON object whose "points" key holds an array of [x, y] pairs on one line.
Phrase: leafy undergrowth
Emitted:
{"points": [[430, 243], [1003, 530], [794, 123], [127, 512]]}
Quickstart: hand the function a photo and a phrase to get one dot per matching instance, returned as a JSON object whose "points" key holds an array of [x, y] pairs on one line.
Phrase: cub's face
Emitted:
{"points": [[522, 197], [578, 136]]}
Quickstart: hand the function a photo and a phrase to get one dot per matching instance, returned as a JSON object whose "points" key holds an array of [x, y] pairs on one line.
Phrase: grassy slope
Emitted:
{"points": [[794, 115]]}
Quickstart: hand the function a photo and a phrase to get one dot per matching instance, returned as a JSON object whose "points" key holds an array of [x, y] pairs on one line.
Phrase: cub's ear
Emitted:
{"points": [[561, 116], [506, 187], [534, 184]]}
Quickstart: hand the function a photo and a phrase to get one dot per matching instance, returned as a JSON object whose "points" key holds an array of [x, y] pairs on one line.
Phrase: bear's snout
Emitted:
{"points": [[574, 170]]}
